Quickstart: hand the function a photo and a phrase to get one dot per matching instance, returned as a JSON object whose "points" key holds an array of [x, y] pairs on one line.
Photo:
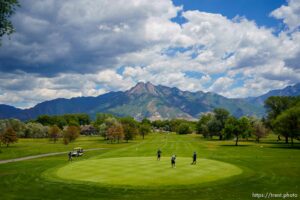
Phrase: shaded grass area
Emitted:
{"points": [[265, 169]]}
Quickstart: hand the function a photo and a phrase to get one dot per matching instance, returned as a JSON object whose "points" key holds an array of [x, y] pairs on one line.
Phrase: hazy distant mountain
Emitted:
{"points": [[147, 100], [287, 91]]}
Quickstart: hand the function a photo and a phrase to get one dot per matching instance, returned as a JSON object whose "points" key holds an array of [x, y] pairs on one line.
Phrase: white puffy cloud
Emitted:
{"points": [[290, 14], [221, 85], [76, 48]]}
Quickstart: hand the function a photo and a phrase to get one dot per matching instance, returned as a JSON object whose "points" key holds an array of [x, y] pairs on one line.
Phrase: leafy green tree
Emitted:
{"points": [[144, 130], [130, 127], [214, 127], [184, 128], [202, 124], [245, 127], [115, 132], [221, 115], [54, 133], [9, 136], [236, 127], [259, 130], [71, 133], [288, 123], [102, 129], [36, 130], [146, 121], [101, 117], [18, 126], [232, 128], [275, 105], [7, 9]]}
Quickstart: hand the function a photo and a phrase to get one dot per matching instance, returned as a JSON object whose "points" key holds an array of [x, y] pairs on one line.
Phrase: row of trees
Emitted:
{"points": [[283, 116], [222, 124], [69, 127], [180, 126], [12, 129], [115, 129]]}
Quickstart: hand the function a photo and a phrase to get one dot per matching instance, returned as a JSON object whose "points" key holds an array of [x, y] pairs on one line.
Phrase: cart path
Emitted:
{"points": [[43, 155]]}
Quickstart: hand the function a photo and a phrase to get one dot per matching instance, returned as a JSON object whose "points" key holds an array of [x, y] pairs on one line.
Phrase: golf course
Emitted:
{"points": [[131, 170]]}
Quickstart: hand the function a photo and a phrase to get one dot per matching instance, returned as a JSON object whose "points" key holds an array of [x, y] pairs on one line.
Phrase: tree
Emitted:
{"points": [[88, 130], [245, 127], [214, 126], [236, 127], [144, 130], [7, 9], [259, 130], [221, 115], [288, 123], [71, 133], [115, 132], [102, 129], [184, 129], [202, 124], [130, 127], [275, 105], [18, 126], [35, 130], [146, 121], [9, 136], [54, 133], [101, 117]]}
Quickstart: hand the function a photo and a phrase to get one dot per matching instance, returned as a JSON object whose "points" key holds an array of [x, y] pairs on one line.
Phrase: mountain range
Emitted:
{"points": [[146, 100]]}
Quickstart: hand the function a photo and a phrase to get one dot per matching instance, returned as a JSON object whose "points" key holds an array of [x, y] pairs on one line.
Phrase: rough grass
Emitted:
{"points": [[267, 167], [29, 146]]}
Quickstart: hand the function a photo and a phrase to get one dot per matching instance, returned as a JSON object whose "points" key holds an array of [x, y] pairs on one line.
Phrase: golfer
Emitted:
{"points": [[194, 158], [173, 161], [70, 156], [158, 154]]}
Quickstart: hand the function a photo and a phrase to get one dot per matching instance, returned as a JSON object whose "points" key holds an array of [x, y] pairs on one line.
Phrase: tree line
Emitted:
{"points": [[70, 126], [282, 118]]}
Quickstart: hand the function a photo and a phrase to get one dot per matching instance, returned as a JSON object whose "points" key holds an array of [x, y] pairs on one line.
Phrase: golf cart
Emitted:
{"points": [[78, 151]]}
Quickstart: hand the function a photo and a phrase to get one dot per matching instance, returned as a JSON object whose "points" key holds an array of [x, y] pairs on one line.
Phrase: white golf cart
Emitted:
{"points": [[78, 151]]}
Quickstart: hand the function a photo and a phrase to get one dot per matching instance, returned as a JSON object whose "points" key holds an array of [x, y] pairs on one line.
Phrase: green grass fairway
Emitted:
{"points": [[130, 171], [147, 171]]}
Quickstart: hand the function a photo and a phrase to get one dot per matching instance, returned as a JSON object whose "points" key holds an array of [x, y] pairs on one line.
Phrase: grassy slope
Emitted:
{"points": [[270, 168], [28, 147]]}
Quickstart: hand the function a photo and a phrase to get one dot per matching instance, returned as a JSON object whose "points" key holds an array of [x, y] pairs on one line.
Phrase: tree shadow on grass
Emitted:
{"points": [[233, 145], [288, 146]]}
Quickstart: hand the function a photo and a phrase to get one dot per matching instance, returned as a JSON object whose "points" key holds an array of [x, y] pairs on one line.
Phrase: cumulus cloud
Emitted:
{"points": [[290, 14], [83, 36], [86, 48]]}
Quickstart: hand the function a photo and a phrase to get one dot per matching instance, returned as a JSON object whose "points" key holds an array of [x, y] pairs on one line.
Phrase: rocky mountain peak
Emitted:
{"points": [[143, 88]]}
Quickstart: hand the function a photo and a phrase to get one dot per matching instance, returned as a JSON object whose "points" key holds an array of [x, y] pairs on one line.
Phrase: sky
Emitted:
{"points": [[71, 48]]}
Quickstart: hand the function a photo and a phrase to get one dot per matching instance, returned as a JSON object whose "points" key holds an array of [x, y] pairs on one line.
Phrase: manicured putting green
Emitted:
{"points": [[147, 171]]}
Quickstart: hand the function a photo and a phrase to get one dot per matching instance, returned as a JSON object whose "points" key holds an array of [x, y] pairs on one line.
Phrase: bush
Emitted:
{"points": [[184, 129]]}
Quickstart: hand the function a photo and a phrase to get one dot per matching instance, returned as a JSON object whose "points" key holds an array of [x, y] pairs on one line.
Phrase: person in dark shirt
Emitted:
{"points": [[158, 154], [173, 161], [70, 156], [194, 158]]}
